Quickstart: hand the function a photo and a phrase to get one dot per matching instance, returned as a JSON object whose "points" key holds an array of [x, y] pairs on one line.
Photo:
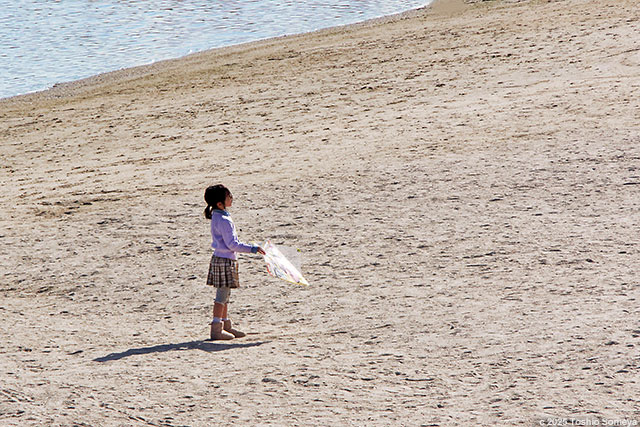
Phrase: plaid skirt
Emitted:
{"points": [[223, 273]]}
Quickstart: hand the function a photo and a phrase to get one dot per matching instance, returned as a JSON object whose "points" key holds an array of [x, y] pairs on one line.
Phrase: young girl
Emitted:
{"points": [[223, 270]]}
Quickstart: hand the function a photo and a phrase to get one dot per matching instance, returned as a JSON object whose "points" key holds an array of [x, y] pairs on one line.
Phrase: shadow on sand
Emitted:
{"points": [[208, 346]]}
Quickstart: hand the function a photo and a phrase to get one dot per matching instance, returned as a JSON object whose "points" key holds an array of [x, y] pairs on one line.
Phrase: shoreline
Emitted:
{"points": [[57, 90]]}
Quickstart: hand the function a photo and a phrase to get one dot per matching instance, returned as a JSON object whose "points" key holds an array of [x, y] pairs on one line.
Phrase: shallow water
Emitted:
{"points": [[43, 42]]}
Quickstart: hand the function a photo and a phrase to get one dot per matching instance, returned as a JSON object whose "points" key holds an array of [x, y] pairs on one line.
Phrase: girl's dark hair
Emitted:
{"points": [[213, 195]]}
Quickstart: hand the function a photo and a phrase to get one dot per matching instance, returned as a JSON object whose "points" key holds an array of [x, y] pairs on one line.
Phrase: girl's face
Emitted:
{"points": [[227, 202]]}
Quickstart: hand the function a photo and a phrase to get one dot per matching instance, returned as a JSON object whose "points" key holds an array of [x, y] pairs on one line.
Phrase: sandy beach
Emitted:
{"points": [[462, 182]]}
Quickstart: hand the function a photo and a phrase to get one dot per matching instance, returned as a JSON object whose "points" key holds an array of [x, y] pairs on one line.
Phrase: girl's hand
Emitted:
{"points": [[261, 251]]}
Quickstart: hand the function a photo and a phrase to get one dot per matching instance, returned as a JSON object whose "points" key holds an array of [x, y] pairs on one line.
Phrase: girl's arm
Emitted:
{"points": [[230, 238]]}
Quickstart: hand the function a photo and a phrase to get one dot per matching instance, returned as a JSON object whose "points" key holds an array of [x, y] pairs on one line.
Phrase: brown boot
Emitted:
{"points": [[236, 333], [218, 333]]}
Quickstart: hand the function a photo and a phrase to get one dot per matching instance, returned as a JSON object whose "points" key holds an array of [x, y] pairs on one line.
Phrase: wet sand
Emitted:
{"points": [[462, 183]]}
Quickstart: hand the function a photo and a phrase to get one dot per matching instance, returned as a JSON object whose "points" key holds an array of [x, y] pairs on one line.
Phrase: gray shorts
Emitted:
{"points": [[222, 295]]}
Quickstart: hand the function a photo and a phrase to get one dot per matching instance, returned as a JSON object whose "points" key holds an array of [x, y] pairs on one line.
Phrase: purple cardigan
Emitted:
{"points": [[225, 239]]}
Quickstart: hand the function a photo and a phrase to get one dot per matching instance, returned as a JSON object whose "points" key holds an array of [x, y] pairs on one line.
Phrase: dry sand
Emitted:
{"points": [[463, 184]]}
